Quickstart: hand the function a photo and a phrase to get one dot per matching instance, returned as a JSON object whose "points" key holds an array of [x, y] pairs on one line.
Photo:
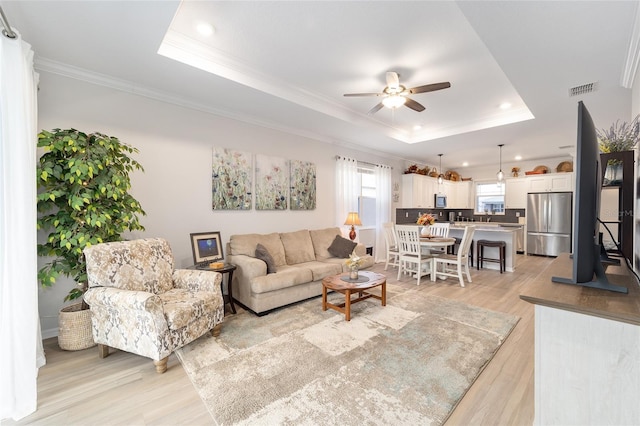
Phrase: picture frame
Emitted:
{"points": [[206, 247]]}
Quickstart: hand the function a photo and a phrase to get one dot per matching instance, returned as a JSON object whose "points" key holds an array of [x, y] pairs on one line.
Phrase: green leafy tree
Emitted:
{"points": [[83, 199]]}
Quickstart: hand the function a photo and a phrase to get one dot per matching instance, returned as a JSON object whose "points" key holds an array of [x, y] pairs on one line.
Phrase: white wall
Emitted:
{"points": [[175, 146]]}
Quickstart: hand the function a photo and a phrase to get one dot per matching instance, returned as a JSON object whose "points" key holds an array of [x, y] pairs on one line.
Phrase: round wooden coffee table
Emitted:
{"points": [[341, 284]]}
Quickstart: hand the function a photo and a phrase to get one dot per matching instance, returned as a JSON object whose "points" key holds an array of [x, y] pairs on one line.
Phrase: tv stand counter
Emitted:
{"points": [[587, 356], [585, 300]]}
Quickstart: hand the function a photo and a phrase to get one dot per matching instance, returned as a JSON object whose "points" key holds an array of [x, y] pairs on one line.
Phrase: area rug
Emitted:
{"points": [[409, 362]]}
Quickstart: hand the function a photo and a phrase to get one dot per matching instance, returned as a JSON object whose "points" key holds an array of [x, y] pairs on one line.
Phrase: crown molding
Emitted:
{"points": [[58, 68]]}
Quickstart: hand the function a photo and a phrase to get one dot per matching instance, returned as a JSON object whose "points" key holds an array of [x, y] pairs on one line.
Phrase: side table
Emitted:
{"points": [[228, 268]]}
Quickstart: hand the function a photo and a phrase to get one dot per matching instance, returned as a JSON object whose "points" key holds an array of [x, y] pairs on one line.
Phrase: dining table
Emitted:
{"points": [[432, 242]]}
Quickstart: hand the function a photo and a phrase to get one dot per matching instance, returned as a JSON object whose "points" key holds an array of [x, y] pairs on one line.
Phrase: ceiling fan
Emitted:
{"points": [[395, 95]]}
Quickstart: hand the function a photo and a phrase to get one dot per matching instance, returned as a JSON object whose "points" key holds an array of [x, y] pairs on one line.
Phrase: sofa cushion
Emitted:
{"points": [[298, 247], [246, 244], [323, 269], [322, 239], [367, 261], [263, 254], [341, 247], [287, 276]]}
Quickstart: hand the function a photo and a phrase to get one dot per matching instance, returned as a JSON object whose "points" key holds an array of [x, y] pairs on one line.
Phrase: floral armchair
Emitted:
{"points": [[140, 304]]}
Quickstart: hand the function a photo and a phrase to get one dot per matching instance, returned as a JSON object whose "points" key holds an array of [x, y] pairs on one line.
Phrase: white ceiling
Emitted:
{"points": [[286, 65]]}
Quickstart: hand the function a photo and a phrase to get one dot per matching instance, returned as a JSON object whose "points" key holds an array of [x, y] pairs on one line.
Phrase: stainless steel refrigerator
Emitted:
{"points": [[549, 223]]}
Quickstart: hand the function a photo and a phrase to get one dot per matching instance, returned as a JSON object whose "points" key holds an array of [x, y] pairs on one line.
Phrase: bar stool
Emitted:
{"points": [[453, 249], [502, 251]]}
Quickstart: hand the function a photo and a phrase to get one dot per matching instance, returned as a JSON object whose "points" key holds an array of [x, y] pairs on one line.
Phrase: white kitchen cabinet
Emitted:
{"points": [[553, 182], [515, 193], [449, 189], [463, 198], [418, 191]]}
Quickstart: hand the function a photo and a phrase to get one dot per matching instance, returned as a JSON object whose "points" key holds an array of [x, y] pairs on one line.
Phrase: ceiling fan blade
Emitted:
{"points": [[375, 109], [410, 103], [430, 87], [393, 81], [362, 94]]}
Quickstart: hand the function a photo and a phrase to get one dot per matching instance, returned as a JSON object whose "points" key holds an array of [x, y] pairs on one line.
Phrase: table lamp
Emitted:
{"points": [[353, 219]]}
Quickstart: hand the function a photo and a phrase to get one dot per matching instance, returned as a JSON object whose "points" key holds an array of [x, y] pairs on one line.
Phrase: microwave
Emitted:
{"points": [[440, 201]]}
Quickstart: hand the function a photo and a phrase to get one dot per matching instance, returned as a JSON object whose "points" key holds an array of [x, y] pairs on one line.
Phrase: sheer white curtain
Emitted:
{"points": [[383, 207], [21, 351], [347, 188]]}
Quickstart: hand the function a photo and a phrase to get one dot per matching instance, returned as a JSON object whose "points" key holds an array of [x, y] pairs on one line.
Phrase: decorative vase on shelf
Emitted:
{"points": [[613, 173], [354, 273], [424, 231]]}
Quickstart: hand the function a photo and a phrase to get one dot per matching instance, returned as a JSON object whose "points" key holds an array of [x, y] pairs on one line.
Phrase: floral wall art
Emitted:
{"points": [[303, 185], [231, 179], [272, 183]]}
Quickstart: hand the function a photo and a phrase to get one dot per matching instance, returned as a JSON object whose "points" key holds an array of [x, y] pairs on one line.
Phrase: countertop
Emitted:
{"points": [[585, 300], [486, 227]]}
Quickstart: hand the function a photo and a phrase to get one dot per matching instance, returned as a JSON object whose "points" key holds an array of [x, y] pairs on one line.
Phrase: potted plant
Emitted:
{"points": [[618, 138], [83, 199]]}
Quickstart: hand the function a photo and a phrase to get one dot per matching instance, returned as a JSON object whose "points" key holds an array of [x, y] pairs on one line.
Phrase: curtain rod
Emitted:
{"points": [[364, 162], [7, 31]]}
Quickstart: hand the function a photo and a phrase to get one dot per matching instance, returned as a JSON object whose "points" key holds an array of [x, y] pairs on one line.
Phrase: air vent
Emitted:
{"points": [[582, 89]]}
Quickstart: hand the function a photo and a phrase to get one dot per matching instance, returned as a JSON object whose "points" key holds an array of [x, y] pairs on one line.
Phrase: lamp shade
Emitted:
{"points": [[353, 219]]}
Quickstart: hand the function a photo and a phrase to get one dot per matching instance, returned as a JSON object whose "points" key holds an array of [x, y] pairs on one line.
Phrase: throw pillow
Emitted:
{"points": [[341, 247], [263, 254]]}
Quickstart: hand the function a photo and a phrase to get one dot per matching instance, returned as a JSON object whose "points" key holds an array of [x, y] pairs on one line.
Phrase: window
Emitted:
{"points": [[367, 198], [489, 198]]}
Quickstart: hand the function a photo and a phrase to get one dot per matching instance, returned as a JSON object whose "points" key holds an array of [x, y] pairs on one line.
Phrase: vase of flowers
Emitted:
{"points": [[425, 220], [353, 262]]}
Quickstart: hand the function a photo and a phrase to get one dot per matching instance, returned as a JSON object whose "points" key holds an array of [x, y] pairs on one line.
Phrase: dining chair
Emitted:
{"points": [[411, 258], [439, 229], [452, 265], [391, 242]]}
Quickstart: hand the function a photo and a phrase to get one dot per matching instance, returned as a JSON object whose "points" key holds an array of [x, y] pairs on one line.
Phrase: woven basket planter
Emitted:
{"points": [[74, 328]]}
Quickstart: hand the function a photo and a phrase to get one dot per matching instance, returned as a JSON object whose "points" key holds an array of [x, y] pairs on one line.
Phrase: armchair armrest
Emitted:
{"points": [[194, 280], [132, 321], [112, 297]]}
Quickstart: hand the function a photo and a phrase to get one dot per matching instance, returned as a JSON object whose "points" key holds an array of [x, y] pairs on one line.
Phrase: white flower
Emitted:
{"points": [[354, 261]]}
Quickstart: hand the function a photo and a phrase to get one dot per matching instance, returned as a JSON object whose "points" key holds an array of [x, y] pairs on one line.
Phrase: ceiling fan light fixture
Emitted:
{"points": [[394, 101]]}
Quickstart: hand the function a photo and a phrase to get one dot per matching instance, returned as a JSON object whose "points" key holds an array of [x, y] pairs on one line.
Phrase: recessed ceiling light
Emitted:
{"points": [[465, 164], [505, 105], [417, 127], [205, 29], [518, 157]]}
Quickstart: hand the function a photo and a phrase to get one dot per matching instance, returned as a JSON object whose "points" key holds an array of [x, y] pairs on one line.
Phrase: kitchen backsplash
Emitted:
{"points": [[405, 216]]}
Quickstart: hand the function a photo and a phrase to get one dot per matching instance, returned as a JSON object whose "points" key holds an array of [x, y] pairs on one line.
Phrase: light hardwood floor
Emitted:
{"points": [[78, 388]]}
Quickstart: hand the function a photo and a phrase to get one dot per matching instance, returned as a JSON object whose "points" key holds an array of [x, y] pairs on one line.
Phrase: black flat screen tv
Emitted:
{"points": [[588, 270]]}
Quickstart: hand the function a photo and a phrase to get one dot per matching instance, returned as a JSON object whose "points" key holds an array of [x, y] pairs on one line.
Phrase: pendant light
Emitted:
{"points": [[500, 174], [440, 176]]}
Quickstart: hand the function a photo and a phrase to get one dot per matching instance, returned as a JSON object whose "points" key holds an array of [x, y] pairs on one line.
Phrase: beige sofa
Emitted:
{"points": [[301, 258]]}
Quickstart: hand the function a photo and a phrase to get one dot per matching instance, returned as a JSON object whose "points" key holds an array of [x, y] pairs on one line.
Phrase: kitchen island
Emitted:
{"points": [[491, 233]]}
